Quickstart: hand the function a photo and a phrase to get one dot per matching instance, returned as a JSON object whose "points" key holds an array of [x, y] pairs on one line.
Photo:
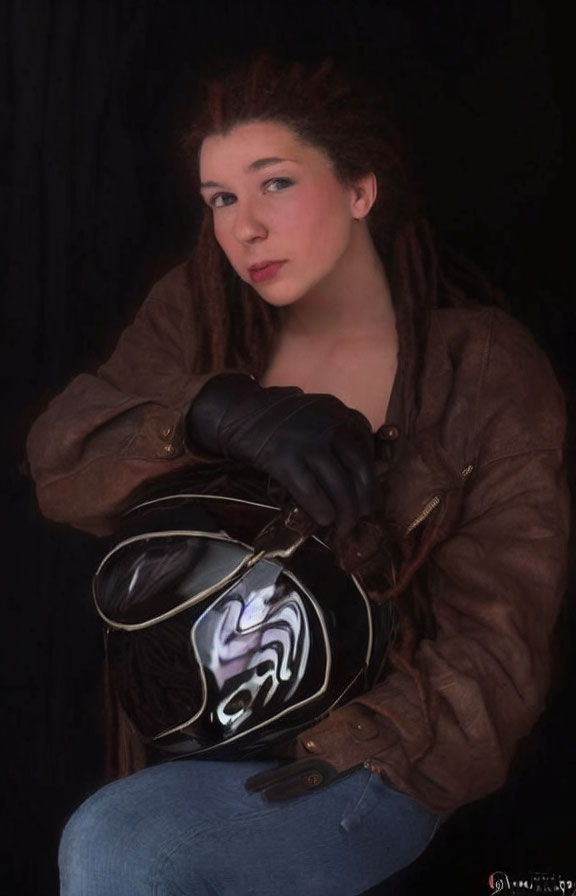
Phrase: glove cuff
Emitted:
{"points": [[206, 412]]}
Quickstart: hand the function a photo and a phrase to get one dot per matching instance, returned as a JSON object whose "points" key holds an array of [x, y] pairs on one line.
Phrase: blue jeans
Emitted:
{"points": [[189, 828]]}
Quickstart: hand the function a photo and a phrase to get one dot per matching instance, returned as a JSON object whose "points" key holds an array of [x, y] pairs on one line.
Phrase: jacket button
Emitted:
{"points": [[169, 450], [311, 745], [388, 433], [166, 432]]}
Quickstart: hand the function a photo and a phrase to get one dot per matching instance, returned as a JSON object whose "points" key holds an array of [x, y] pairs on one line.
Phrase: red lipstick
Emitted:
{"points": [[264, 271]]}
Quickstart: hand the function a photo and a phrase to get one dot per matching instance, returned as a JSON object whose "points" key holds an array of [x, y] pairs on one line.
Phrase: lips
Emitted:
{"points": [[266, 270]]}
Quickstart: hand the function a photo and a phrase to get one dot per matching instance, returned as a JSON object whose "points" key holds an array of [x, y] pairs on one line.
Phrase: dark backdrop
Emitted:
{"points": [[96, 211]]}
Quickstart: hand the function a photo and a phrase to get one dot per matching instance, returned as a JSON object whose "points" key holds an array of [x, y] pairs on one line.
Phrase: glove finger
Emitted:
{"points": [[305, 489], [338, 483], [292, 779], [359, 464]]}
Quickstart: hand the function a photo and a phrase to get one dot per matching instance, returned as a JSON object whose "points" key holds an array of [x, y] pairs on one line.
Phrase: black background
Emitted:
{"points": [[94, 92]]}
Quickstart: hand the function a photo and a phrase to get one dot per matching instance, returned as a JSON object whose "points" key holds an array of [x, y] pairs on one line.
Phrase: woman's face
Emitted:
{"points": [[282, 217]]}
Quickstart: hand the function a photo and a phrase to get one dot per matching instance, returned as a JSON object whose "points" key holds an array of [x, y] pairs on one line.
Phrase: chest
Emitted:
{"points": [[360, 375]]}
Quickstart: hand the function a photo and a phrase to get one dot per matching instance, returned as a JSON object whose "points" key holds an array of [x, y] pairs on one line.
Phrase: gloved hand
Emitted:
{"points": [[348, 739], [317, 448]]}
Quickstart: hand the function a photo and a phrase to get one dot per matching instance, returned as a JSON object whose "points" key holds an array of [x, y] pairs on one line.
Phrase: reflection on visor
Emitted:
{"points": [[255, 642], [151, 576]]}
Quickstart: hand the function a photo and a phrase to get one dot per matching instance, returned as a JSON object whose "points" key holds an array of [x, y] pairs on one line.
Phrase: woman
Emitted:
{"points": [[314, 336]]}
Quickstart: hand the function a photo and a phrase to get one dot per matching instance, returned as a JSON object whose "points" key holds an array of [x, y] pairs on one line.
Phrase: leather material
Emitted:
{"points": [[473, 506], [292, 779], [317, 448]]}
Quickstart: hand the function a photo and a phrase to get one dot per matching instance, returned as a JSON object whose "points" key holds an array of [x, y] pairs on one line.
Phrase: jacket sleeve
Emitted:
{"points": [[107, 433], [445, 723]]}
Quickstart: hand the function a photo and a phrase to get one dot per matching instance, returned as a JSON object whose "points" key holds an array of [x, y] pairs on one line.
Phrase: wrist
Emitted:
{"points": [[204, 416]]}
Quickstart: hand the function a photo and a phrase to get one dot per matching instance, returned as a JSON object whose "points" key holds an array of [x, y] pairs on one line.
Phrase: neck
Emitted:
{"points": [[354, 302]]}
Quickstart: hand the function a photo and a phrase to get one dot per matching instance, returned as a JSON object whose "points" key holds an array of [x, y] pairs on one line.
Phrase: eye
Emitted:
{"points": [[221, 200], [275, 184]]}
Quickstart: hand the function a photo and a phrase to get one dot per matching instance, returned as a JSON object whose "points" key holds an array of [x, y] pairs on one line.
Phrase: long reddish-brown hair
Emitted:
{"points": [[355, 128]]}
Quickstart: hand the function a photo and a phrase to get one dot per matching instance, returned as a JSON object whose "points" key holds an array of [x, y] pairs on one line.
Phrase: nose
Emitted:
{"points": [[249, 225]]}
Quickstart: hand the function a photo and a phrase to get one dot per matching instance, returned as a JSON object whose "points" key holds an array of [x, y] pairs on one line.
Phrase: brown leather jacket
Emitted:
{"points": [[475, 500]]}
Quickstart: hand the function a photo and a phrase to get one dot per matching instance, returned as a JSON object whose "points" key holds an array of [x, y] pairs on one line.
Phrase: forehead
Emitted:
{"points": [[248, 143]]}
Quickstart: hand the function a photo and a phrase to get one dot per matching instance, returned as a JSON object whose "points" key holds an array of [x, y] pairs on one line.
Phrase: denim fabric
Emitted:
{"points": [[188, 828]]}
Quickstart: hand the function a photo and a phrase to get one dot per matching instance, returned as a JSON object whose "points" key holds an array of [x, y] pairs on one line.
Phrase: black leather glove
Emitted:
{"points": [[317, 448], [346, 740], [293, 779]]}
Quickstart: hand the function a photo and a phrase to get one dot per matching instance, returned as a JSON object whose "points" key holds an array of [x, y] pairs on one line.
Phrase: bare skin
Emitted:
{"points": [[277, 198], [346, 348], [358, 372]]}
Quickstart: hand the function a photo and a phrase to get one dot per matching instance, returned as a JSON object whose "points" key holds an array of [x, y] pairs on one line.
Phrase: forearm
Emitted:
{"points": [[94, 445], [106, 434], [446, 721]]}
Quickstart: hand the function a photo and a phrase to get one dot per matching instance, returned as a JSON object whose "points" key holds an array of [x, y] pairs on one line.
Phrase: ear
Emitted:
{"points": [[364, 192]]}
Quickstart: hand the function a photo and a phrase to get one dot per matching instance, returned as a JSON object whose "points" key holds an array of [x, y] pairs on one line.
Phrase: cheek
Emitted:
{"points": [[219, 233], [325, 225], [223, 238], [314, 211]]}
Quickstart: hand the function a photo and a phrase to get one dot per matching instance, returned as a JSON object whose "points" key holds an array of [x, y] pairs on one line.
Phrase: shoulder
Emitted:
{"points": [[508, 382], [173, 287], [483, 329], [160, 342]]}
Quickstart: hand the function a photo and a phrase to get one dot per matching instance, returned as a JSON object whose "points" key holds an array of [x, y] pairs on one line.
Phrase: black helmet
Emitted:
{"points": [[230, 626]]}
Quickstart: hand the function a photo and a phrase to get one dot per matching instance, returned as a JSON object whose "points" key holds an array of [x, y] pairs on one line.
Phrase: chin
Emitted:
{"points": [[282, 295], [283, 302], [277, 297]]}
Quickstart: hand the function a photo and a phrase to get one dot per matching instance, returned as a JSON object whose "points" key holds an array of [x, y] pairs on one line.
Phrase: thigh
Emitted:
{"points": [[189, 827]]}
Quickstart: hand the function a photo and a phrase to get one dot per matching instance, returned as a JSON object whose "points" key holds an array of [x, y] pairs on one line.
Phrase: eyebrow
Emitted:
{"points": [[253, 166]]}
